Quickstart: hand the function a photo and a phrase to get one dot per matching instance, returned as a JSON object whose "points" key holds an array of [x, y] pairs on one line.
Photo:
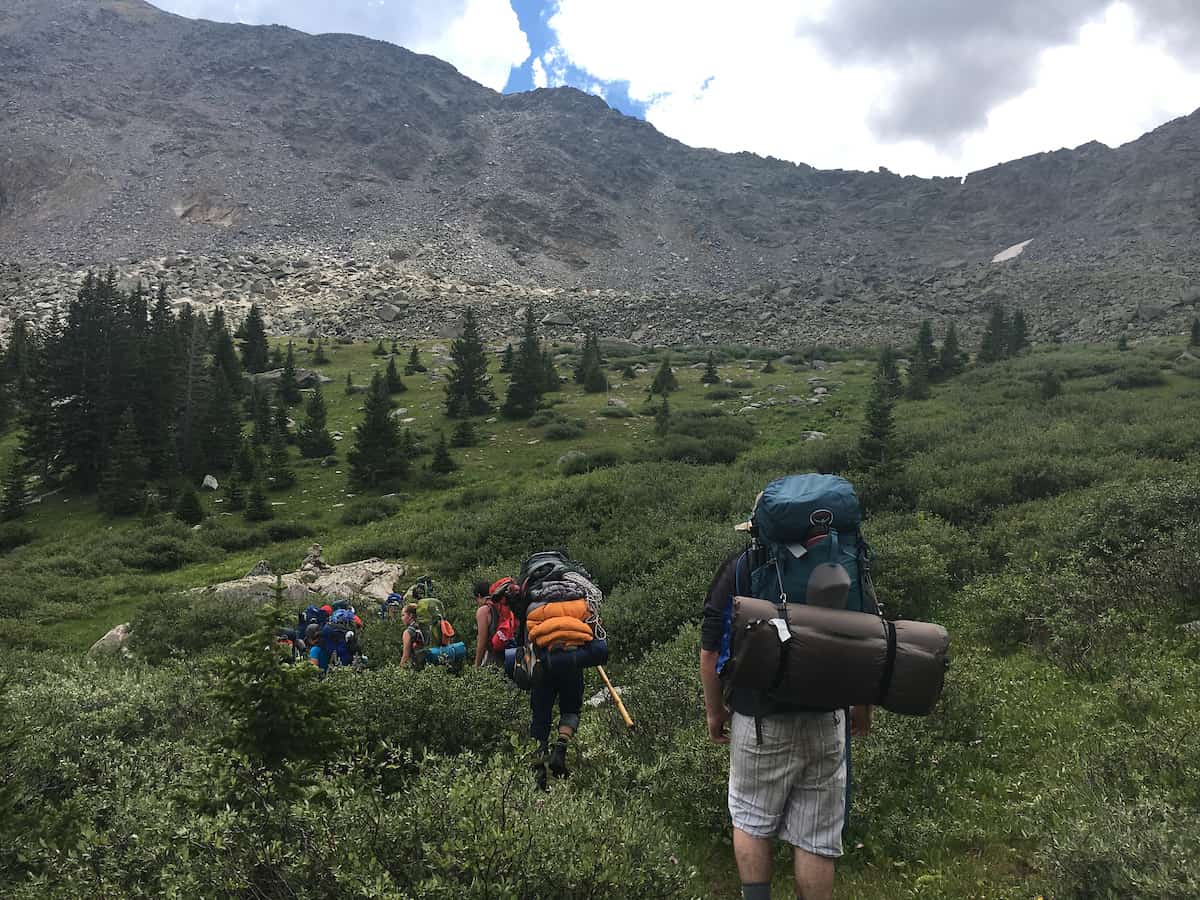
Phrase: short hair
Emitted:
{"points": [[483, 589], [411, 609]]}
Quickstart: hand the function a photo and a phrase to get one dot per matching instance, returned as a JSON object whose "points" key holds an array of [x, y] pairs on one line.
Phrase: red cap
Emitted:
{"points": [[327, 609]]}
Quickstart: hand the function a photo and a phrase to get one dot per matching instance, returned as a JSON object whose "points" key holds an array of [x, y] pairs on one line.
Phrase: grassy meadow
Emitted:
{"points": [[1057, 537]]}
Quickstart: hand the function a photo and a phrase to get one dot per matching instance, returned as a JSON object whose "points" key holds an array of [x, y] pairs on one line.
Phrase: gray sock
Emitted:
{"points": [[760, 890]]}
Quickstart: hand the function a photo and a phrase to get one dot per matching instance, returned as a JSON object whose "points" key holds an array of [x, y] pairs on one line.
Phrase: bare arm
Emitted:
{"points": [[715, 712], [483, 618], [407, 657]]}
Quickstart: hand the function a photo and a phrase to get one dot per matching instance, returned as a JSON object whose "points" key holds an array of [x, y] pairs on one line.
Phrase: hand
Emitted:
{"points": [[716, 727], [860, 720]]}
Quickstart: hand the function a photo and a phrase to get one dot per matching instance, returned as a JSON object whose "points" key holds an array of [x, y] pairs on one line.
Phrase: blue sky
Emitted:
{"points": [[533, 16], [927, 87]]}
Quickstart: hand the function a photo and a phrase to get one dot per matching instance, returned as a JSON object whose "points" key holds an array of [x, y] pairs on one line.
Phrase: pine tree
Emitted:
{"points": [[711, 375], [224, 353], [192, 404], [414, 363], [464, 434], [629, 372], [257, 507], [261, 418], [551, 383], [768, 368], [280, 469], [923, 349], [664, 380], [281, 425], [468, 386], [918, 378], [349, 382], [993, 346], [506, 361], [235, 495], [188, 509], [222, 432], [123, 485], [319, 357], [950, 359], [662, 416], [1123, 343], [255, 351], [889, 370], [442, 463], [1018, 334], [379, 349], [289, 389], [15, 493], [1050, 385], [275, 359], [395, 351], [527, 383], [375, 458], [314, 439], [1194, 340], [244, 467], [875, 446], [395, 384]]}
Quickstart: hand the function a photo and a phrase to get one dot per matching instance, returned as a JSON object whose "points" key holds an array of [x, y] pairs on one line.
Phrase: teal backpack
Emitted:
{"points": [[807, 544]]}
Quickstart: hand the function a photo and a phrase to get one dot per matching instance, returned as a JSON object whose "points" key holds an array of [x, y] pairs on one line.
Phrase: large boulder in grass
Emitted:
{"points": [[116, 641], [363, 583]]}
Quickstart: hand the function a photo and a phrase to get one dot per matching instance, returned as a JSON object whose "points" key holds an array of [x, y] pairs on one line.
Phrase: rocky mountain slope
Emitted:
{"points": [[130, 134]]}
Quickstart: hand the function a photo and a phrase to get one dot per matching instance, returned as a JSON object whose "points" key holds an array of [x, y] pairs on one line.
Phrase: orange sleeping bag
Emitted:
{"points": [[559, 624]]}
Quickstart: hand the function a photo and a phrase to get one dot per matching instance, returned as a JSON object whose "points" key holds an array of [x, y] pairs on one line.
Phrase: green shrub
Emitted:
{"points": [[13, 535], [230, 536], [563, 431], [189, 624], [277, 532], [578, 462], [741, 384], [430, 710], [362, 510], [721, 393], [1141, 847], [1136, 375], [615, 412]]}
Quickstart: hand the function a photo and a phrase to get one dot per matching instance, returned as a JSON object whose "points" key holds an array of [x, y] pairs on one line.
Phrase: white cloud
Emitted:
{"points": [[481, 38], [752, 80], [484, 43], [539, 74]]}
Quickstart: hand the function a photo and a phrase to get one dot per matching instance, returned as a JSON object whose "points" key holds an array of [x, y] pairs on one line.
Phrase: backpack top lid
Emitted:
{"points": [[542, 566], [792, 506]]}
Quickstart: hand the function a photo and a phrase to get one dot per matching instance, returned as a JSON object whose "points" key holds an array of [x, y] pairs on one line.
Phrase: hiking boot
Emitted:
{"points": [[558, 759], [539, 777]]}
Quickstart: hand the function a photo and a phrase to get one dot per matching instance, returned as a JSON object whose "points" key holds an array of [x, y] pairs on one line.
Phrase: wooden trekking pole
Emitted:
{"points": [[616, 698]]}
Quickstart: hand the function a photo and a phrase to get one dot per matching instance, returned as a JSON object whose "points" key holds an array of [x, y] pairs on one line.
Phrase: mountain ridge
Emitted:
{"points": [[215, 138]]}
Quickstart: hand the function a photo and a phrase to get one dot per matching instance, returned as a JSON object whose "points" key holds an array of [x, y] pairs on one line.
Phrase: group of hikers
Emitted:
{"points": [[542, 629], [794, 656]]}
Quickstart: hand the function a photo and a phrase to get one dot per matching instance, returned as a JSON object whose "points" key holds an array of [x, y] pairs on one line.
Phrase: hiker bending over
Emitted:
{"points": [[787, 760], [495, 624]]}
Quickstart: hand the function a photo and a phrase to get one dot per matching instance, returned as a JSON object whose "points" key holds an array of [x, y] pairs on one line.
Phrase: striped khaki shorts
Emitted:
{"points": [[793, 784]]}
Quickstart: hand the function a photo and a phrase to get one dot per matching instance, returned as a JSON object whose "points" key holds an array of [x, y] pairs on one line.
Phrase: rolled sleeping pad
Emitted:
{"points": [[837, 658], [593, 653], [449, 653]]}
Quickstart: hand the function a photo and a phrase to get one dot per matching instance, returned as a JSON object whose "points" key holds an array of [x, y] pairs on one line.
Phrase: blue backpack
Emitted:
{"points": [[807, 544], [312, 615]]}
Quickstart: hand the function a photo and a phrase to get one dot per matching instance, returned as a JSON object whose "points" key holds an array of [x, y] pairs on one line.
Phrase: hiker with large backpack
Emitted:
{"points": [[794, 655], [557, 609], [429, 638], [495, 622]]}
